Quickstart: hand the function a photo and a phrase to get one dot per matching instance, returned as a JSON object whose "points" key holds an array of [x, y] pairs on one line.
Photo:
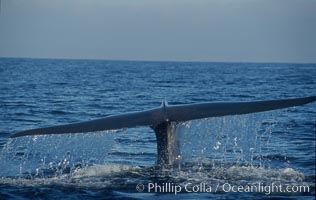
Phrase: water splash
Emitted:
{"points": [[44, 154], [234, 139]]}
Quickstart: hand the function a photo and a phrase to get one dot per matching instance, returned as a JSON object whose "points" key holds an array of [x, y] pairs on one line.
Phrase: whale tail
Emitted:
{"points": [[163, 118]]}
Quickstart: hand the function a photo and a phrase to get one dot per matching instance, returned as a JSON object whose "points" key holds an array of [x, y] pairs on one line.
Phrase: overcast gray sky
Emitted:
{"points": [[177, 30]]}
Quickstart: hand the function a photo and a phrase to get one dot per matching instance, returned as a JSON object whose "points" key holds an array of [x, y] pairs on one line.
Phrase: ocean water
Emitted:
{"points": [[258, 153]]}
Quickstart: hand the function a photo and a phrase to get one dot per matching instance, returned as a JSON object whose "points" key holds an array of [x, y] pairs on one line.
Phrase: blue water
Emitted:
{"points": [[276, 147]]}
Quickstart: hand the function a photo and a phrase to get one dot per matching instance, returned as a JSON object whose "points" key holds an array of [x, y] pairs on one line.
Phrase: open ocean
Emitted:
{"points": [[264, 150]]}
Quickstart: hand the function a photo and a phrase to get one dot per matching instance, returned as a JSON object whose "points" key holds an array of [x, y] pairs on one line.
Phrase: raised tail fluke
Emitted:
{"points": [[205, 110], [134, 119], [165, 113]]}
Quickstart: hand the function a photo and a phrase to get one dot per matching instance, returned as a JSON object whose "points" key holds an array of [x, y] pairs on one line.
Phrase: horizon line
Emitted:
{"points": [[145, 60]]}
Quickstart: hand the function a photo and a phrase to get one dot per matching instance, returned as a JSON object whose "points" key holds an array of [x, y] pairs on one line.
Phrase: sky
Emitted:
{"points": [[160, 30]]}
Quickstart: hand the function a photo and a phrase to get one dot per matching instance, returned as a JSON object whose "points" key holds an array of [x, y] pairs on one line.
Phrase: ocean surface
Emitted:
{"points": [[269, 155]]}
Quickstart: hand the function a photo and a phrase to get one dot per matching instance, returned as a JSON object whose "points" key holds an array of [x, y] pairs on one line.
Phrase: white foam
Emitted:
{"points": [[255, 173], [102, 170]]}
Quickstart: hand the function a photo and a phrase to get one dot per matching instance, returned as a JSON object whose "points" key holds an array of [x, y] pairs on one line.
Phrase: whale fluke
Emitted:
{"points": [[163, 118]]}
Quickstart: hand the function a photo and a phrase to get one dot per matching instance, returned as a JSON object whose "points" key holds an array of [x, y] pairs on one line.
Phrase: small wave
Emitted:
{"points": [[17, 104], [242, 96], [59, 112], [26, 120], [60, 83]]}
